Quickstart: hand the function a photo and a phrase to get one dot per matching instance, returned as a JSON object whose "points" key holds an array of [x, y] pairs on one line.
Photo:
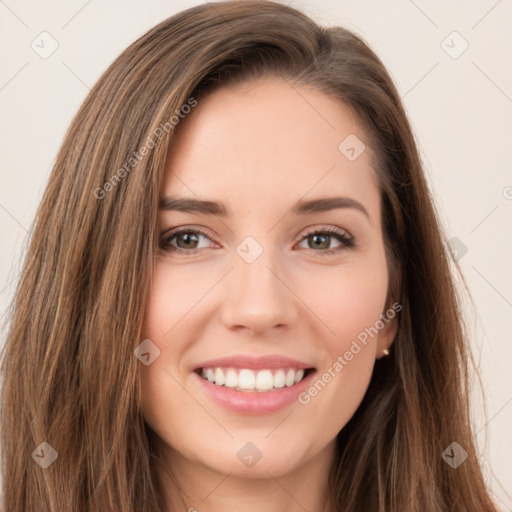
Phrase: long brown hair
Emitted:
{"points": [[70, 377]]}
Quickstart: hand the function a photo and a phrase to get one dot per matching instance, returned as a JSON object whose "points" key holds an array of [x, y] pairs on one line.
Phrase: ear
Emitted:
{"points": [[388, 333]]}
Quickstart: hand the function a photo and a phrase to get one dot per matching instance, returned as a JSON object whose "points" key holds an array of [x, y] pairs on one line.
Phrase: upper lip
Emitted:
{"points": [[254, 363]]}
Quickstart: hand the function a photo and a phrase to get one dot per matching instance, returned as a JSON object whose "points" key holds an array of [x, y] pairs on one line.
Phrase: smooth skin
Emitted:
{"points": [[258, 148]]}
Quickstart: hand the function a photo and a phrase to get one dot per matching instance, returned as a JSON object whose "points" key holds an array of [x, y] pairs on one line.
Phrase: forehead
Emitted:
{"points": [[268, 142]]}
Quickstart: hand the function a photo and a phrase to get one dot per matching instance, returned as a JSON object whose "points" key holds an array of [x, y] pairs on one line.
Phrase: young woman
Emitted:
{"points": [[237, 293]]}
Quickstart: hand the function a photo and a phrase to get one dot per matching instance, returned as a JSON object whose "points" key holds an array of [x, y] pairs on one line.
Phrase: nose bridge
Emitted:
{"points": [[256, 278], [258, 299]]}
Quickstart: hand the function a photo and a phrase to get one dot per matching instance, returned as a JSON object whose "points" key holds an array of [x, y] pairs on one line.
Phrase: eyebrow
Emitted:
{"points": [[301, 207]]}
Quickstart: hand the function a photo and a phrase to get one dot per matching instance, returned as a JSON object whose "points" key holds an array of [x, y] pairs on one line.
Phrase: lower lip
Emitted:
{"points": [[254, 402]]}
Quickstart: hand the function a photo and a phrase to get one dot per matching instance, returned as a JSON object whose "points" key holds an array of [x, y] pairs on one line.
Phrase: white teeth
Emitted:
{"points": [[219, 377], [246, 379], [264, 380], [231, 379], [250, 380], [279, 379]]}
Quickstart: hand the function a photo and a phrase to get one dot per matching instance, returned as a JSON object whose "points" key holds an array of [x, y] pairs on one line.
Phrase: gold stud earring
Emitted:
{"points": [[385, 352]]}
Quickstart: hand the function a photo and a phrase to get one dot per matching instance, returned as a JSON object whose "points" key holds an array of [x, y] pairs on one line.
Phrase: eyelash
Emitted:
{"points": [[342, 236]]}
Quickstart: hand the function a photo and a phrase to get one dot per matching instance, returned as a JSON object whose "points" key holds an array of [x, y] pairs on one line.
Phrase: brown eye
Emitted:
{"points": [[184, 241], [320, 240]]}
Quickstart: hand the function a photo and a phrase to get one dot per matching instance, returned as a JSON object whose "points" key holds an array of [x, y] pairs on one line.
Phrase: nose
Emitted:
{"points": [[259, 299]]}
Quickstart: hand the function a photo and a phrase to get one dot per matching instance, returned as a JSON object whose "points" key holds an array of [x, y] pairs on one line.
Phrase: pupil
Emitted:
{"points": [[315, 239], [187, 237]]}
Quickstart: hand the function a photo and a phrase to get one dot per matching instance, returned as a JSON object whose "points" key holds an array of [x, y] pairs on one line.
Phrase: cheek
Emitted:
{"points": [[175, 291], [348, 300], [169, 411], [172, 315], [350, 306]]}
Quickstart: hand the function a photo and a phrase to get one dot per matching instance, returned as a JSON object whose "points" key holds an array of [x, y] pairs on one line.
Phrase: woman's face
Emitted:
{"points": [[259, 301]]}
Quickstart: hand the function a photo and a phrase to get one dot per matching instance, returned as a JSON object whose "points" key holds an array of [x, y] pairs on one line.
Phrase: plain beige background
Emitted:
{"points": [[451, 64]]}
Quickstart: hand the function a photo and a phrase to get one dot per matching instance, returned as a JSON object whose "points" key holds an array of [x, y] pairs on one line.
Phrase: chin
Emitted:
{"points": [[255, 459]]}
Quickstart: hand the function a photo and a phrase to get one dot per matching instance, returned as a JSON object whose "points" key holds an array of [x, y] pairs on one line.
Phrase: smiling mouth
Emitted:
{"points": [[254, 381]]}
